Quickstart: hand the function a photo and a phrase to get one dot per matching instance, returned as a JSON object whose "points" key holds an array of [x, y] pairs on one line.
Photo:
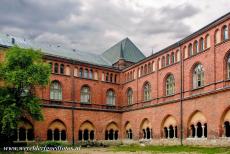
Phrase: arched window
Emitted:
{"points": [[85, 94], [228, 67], [55, 68], [61, 69], [173, 58], [170, 85], [202, 44], [167, 60], [110, 97], [217, 36], [55, 91], [80, 72], [107, 77], [147, 92], [207, 41], [190, 51], [51, 66], [163, 62], [86, 73], [130, 96], [111, 77], [225, 33], [195, 47], [198, 76], [91, 74]]}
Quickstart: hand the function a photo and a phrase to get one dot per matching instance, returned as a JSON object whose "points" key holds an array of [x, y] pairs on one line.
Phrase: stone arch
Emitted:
{"points": [[128, 130], [169, 127], [145, 129], [225, 123], [86, 131], [197, 125], [57, 131], [111, 132]]}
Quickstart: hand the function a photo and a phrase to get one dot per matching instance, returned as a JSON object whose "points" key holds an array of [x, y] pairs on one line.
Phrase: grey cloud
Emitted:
{"points": [[91, 25]]}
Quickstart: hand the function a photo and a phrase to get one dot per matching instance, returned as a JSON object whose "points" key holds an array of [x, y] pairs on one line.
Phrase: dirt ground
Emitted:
{"points": [[103, 151]]}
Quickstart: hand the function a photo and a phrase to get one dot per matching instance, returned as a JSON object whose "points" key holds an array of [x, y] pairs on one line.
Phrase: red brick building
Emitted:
{"points": [[180, 92]]}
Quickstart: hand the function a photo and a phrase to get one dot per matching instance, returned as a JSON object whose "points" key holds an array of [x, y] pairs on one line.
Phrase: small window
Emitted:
{"points": [[61, 69], [86, 73], [51, 66], [195, 47], [167, 60], [91, 74], [80, 72], [173, 58], [55, 68], [202, 44], [163, 62], [190, 51], [225, 33]]}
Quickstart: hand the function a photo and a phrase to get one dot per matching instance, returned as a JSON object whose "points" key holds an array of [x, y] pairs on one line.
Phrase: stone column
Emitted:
{"points": [[53, 135], [151, 133], [224, 131], [203, 126], [196, 131], [88, 135], [82, 134], [113, 135], [26, 134], [168, 132], [59, 135], [17, 134], [174, 134]]}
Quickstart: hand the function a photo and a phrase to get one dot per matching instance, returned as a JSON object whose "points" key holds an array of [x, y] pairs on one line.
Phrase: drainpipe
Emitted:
{"points": [[181, 95], [73, 101]]}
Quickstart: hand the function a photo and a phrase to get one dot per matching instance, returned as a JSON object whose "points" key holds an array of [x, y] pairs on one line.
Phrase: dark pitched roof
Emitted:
{"points": [[125, 49]]}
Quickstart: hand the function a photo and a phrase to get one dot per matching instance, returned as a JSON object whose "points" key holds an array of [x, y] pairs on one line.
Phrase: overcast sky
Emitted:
{"points": [[95, 25]]}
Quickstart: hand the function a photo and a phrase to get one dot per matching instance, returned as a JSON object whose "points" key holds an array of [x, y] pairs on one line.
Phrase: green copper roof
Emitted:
{"points": [[125, 49]]}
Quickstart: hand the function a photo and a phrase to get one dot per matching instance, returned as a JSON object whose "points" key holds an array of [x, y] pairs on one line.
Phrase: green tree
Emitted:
{"points": [[22, 71]]}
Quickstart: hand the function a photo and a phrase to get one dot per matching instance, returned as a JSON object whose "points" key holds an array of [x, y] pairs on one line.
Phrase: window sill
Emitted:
{"points": [[198, 88]]}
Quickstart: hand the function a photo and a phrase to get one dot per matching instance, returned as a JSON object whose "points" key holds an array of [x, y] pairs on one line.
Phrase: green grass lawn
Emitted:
{"points": [[171, 149]]}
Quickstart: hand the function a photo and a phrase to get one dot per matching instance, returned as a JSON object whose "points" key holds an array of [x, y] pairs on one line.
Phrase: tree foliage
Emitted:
{"points": [[22, 71]]}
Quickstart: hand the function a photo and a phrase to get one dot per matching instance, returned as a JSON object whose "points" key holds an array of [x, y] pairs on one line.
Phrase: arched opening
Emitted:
{"points": [[198, 76], [226, 124], [146, 129], [147, 91], [128, 128], [198, 126], [112, 131], [25, 131], [169, 127], [56, 131], [86, 131]]}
